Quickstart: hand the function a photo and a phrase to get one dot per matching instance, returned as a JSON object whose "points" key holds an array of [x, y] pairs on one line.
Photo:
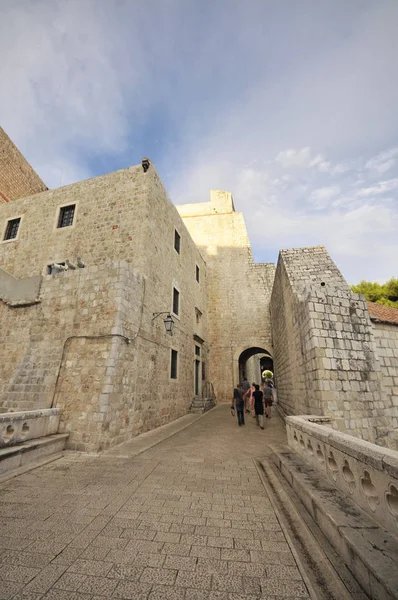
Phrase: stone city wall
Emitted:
{"points": [[386, 337], [108, 390], [290, 328], [17, 178], [333, 361], [239, 289]]}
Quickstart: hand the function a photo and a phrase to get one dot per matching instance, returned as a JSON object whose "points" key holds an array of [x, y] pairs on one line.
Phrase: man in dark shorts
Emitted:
{"points": [[268, 399], [258, 406], [239, 404]]}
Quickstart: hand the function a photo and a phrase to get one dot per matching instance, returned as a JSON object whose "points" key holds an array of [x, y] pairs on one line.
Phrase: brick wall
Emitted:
{"points": [[17, 178]]}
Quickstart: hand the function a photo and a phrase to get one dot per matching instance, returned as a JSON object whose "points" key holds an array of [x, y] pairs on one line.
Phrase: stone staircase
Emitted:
{"points": [[201, 405]]}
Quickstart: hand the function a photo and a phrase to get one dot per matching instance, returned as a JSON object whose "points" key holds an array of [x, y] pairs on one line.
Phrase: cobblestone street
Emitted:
{"points": [[187, 519]]}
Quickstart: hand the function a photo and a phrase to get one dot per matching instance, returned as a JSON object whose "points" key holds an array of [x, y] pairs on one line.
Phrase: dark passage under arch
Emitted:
{"points": [[265, 362]]}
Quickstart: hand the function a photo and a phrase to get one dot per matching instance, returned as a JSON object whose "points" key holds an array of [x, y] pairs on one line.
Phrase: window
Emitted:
{"points": [[66, 215], [174, 364], [12, 229], [177, 241], [176, 301], [197, 350], [197, 273]]}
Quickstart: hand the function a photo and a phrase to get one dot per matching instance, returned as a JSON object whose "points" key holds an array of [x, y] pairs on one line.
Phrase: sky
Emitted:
{"points": [[290, 105]]}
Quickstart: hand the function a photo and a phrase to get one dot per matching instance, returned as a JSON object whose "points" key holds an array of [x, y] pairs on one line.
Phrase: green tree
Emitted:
{"points": [[386, 293]]}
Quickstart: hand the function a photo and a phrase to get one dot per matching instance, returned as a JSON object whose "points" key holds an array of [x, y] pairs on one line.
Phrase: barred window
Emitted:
{"points": [[12, 229], [66, 215]]}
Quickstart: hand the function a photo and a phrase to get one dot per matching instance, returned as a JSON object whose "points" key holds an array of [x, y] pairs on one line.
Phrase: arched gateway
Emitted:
{"points": [[250, 362]]}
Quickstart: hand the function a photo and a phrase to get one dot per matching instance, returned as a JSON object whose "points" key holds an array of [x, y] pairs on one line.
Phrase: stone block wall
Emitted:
{"points": [[108, 390], [109, 224], [325, 353], [17, 178], [239, 289], [386, 337], [290, 329]]}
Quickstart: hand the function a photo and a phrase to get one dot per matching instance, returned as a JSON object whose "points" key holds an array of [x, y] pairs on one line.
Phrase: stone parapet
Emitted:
{"points": [[365, 472], [18, 427]]}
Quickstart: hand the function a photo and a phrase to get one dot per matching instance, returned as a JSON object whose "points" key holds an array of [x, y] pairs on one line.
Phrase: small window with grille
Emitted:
{"points": [[174, 364], [12, 229], [66, 215]]}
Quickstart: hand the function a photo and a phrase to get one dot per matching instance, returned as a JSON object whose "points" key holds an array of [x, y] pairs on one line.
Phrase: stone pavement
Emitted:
{"points": [[187, 519]]}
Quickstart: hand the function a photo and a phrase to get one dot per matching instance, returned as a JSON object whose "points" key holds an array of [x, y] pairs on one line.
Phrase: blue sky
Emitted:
{"points": [[290, 105]]}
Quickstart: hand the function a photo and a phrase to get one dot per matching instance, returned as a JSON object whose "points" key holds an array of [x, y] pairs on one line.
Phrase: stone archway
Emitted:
{"points": [[250, 362]]}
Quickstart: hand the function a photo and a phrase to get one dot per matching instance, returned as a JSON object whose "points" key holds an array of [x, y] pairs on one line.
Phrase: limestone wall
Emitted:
{"points": [[109, 224], [290, 323], [386, 337], [17, 178], [239, 289], [108, 390], [325, 353]]}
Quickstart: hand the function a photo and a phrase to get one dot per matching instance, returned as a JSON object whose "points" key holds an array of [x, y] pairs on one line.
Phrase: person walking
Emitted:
{"points": [[239, 404], [245, 389], [268, 398], [250, 399], [258, 406]]}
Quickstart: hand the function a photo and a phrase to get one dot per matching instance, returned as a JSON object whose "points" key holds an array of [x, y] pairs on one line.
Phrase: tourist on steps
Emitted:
{"points": [[239, 404], [258, 406]]}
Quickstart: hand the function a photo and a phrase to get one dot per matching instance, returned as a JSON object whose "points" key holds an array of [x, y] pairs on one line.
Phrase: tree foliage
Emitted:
{"points": [[386, 293]]}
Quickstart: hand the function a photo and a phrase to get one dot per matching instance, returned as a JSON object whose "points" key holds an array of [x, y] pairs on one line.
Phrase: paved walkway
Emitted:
{"points": [[187, 519]]}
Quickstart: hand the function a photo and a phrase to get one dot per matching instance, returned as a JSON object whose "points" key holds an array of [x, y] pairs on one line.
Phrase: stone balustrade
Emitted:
{"points": [[366, 473], [17, 427]]}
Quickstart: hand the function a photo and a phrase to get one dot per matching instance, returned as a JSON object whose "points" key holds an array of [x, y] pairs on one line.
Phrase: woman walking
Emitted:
{"points": [[258, 406]]}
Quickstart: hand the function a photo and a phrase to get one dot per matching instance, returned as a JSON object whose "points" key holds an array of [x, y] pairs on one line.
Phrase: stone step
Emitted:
{"points": [[369, 551], [17, 456]]}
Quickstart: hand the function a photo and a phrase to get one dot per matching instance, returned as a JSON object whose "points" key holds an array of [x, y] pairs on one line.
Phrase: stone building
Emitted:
{"points": [[89, 272]]}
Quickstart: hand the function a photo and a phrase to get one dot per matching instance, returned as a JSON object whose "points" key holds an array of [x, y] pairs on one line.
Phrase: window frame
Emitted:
{"points": [[13, 239], [177, 237], [176, 289], [58, 214], [174, 352]]}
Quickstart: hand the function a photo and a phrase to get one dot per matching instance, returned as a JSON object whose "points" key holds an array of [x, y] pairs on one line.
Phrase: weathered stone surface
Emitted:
{"points": [[77, 492], [17, 178]]}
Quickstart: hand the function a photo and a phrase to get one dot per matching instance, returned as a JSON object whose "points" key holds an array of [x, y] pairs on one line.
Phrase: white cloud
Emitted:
{"points": [[305, 159], [321, 197], [382, 187], [384, 161]]}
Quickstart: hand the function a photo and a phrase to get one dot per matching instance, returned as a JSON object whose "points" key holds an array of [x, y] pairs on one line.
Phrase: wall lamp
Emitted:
{"points": [[168, 321]]}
